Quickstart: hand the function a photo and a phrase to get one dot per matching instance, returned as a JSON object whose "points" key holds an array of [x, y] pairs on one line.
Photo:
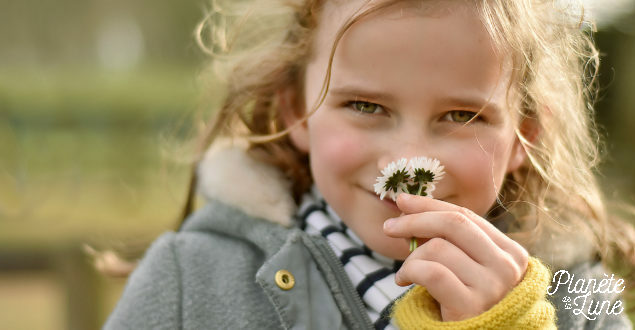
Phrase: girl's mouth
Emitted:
{"points": [[387, 202], [390, 204]]}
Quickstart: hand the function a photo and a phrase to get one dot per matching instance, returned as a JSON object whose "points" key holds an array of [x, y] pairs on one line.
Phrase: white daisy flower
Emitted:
{"points": [[425, 173], [394, 179], [426, 169], [417, 176], [427, 189]]}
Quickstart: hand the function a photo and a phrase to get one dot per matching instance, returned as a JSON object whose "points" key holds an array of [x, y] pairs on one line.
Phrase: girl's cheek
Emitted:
{"points": [[477, 173], [340, 150]]}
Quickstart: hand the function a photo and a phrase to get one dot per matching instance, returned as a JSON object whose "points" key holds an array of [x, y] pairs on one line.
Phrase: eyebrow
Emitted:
{"points": [[471, 102], [363, 93], [460, 100]]}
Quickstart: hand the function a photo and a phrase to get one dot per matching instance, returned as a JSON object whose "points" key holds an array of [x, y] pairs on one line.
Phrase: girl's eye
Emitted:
{"points": [[365, 107], [460, 116]]}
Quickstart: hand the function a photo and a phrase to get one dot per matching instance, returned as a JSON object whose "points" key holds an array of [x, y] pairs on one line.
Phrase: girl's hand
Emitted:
{"points": [[465, 263]]}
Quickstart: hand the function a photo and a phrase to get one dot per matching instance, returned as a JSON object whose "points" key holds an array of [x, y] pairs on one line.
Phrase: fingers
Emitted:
{"points": [[440, 282], [451, 226], [450, 256], [411, 204], [466, 263]]}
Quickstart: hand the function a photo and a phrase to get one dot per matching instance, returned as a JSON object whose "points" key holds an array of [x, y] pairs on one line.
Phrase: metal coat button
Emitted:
{"points": [[284, 279]]}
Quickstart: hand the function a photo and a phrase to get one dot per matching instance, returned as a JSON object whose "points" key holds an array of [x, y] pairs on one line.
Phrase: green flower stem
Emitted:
{"points": [[420, 189], [413, 244], [413, 241]]}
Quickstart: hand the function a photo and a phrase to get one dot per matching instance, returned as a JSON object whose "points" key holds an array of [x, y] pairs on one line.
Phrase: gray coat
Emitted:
{"points": [[219, 271]]}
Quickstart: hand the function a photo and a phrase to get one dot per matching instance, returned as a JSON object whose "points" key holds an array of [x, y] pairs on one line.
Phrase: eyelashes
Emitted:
{"points": [[461, 116], [370, 108], [365, 107]]}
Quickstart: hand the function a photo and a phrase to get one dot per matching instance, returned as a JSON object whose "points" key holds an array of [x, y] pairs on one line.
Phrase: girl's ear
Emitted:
{"points": [[529, 131], [291, 112]]}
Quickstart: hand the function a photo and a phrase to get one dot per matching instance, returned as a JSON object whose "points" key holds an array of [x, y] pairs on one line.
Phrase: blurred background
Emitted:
{"points": [[97, 98]]}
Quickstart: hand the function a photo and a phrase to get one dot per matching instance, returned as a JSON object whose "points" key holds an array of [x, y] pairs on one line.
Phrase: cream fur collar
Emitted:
{"points": [[229, 175]]}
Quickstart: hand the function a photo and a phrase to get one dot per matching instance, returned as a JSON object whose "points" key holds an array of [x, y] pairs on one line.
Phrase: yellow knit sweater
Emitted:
{"points": [[525, 307]]}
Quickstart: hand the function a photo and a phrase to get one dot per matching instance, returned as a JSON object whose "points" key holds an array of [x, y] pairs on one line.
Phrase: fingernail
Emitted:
{"points": [[398, 276], [389, 223]]}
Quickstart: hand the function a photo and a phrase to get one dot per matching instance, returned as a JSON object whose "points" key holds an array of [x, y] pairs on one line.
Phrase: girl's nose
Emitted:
{"points": [[404, 149]]}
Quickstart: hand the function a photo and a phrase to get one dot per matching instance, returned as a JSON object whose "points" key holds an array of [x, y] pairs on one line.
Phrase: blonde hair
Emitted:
{"points": [[554, 75]]}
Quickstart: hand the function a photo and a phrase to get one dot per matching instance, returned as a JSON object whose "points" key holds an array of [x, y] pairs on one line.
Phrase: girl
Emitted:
{"points": [[293, 236]]}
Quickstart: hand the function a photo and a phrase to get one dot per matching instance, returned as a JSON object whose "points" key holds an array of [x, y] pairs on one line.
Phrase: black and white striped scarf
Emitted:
{"points": [[373, 275]]}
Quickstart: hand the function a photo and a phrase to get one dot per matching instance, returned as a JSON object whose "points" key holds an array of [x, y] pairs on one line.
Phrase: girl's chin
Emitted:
{"points": [[396, 249]]}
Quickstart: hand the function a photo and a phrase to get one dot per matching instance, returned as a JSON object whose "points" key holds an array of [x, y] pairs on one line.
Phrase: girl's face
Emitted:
{"points": [[404, 83]]}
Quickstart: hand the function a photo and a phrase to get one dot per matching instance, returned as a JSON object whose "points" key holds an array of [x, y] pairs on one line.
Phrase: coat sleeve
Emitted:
{"points": [[152, 297], [525, 307]]}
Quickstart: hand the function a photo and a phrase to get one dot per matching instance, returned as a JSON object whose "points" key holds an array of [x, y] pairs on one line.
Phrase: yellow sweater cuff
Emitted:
{"points": [[525, 307]]}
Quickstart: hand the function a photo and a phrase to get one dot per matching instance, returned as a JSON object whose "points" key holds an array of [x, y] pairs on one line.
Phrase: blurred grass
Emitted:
{"points": [[71, 93], [87, 156], [89, 152]]}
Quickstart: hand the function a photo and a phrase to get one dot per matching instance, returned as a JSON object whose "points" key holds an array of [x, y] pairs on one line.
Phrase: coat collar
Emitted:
{"points": [[227, 174]]}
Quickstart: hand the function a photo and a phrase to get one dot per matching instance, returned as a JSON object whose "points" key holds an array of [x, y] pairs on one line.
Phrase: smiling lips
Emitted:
{"points": [[391, 204], [387, 201]]}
